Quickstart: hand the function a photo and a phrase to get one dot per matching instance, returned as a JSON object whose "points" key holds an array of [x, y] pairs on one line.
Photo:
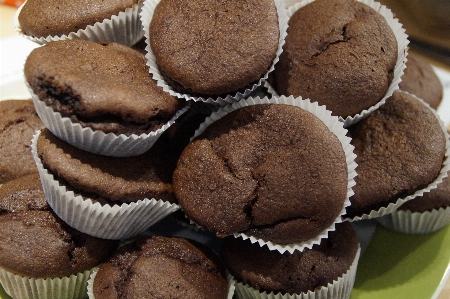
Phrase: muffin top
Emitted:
{"points": [[400, 149], [214, 47], [42, 18], [273, 168], [420, 79], [105, 86], [23, 194], [18, 122], [37, 244], [161, 267], [109, 178], [301, 271], [435, 199], [340, 53], [34, 242]]}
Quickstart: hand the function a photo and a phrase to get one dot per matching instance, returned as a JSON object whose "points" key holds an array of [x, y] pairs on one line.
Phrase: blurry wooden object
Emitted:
{"points": [[427, 23]]}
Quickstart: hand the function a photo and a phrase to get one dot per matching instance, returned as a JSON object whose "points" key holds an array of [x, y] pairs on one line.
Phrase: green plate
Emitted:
{"points": [[399, 266]]}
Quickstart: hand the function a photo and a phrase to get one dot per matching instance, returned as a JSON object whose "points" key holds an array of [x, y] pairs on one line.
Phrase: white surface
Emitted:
{"points": [[13, 53]]}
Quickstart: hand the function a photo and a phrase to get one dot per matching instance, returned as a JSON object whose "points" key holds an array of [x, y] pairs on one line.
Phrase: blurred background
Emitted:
{"points": [[426, 22], [428, 25]]}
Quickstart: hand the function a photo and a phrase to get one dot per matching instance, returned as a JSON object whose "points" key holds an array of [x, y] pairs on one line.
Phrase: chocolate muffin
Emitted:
{"points": [[296, 273], [109, 179], [35, 243], [421, 80], [340, 53], [423, 214], [38, 244], [400, 149], [103, 86], [435, 199], [213, 48], [106, 197], [274, 171], [42, 18], [18, 122], [23, 194], [161, 267]]}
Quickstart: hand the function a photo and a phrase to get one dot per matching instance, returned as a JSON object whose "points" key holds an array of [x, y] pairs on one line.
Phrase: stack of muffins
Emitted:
{"points": [[270, 125]]}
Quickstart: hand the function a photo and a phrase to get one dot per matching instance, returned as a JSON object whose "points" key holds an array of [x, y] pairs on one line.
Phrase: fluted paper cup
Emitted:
{"points": [[115, 222], [124, 28]]}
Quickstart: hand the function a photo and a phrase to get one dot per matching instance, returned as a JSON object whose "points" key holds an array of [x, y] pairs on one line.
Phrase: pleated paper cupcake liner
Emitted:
{"points": [[96, 141], [444, 172], [340, 288], [408, 222], [402, 41], [124, 28], [115, 222], [146, 16], [70, 287], [333, 124]]}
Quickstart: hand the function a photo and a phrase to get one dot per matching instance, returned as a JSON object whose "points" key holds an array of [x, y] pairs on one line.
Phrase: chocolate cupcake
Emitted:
{"points": [[18, 122], [327, 268], [213, 51], [107, 197], [160, 267], [277, 173], [423, 214], [99, 96], [43, 21], [42, 257], [421, 80], [402, 152], [344, 54]]}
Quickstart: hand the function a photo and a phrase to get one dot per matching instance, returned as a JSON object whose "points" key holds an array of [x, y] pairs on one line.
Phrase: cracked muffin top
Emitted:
{"points": [[274, 171], [34, 242], [214, 47], [400, 149], [18, 122], [41, 18], [295, 273], [340, 53], [104, 86], [161, 267]]}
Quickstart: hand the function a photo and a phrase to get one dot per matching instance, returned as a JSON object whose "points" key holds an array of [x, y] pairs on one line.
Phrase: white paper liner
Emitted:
{"points": [[107, 222], [124, 28], [340, 288], [442, 174], [70, 287], [90, 286], [333, 124], [146, 16], [96, 141], [402, 40], [408, 222]]}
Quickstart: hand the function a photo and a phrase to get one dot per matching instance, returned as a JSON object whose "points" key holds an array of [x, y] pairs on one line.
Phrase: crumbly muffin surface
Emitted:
{"points": [[340, 53], [214, 47], [42, 18], [273, 169]]}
